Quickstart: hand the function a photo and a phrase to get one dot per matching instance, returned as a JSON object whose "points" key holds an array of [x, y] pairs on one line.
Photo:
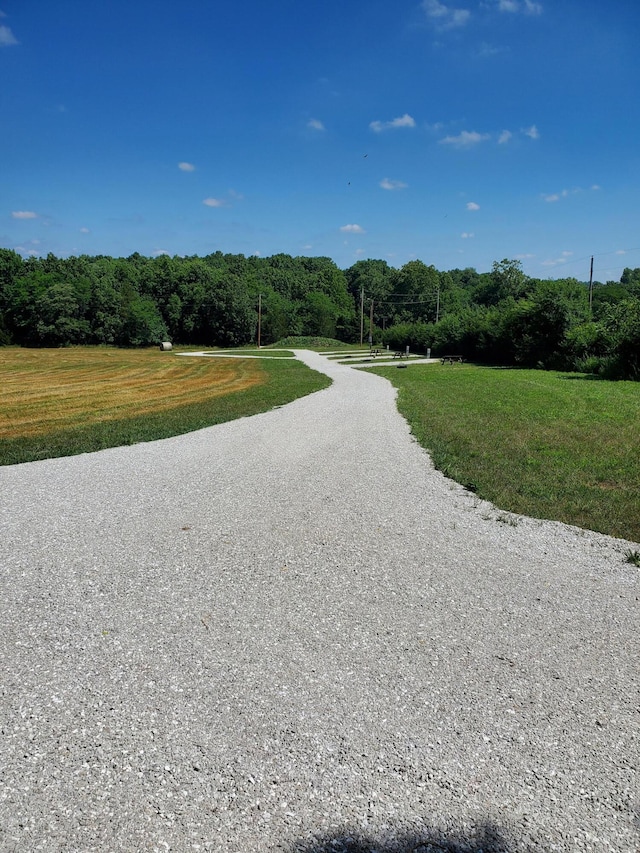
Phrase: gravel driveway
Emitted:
{"points": [[289, 632]]}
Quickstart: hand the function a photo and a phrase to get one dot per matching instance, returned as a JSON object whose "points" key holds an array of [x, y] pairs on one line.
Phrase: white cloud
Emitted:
{"points": [[27, 250], [315, 124], [527, 7], [7, 38], [401, 121], [504, 137], [186, 167], [532, 132], [386, 184], [524, 257], [24, 214], [353, 229], [552, 197], [445, 17], [159, 252], [621, 252], [85, 231], [232, 196], [485, 50], [466, 139], [466, 235], [552, 262], [471, 205]]}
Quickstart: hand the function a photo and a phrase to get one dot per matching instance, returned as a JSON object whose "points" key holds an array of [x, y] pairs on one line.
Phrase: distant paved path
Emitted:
{"points": [[290, 627]]}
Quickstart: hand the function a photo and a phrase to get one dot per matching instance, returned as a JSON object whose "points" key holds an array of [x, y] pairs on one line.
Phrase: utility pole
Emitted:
{"points": [[361, 315], [591, 285], [259, 316], [371, 325], [438, 305]]}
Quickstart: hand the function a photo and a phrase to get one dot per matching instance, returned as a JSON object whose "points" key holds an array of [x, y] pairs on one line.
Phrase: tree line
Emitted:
{"points": [[502, 316], [138, 301]]}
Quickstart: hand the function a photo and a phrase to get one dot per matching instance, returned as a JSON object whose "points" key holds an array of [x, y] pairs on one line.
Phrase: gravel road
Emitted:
{"points": [[291, 633]]}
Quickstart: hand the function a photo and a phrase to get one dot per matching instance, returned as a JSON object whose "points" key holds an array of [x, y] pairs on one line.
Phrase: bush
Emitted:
{"points": [[589, 364], [308, 342], [417, 336]]}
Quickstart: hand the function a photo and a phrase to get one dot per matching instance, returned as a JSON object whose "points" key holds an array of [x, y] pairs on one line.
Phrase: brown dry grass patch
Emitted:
{"points": [[48, 390]]}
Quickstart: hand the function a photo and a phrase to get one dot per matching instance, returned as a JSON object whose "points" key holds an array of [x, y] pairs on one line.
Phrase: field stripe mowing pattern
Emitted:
{"points": [[43, 391]]}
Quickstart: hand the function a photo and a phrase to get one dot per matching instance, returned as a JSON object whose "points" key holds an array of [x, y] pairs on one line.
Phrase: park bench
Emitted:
{"points": [[399, 354], [451, 359]]}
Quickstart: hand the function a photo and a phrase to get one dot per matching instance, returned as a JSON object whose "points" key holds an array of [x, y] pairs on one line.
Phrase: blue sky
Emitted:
{"points": [[458, 132]]}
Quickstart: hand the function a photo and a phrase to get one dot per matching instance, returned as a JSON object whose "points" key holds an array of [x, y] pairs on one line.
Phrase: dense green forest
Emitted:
{"points": [[502, 316]]}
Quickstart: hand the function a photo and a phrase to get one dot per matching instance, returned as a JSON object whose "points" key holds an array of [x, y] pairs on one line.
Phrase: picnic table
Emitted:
{"points": [[452, 359]]}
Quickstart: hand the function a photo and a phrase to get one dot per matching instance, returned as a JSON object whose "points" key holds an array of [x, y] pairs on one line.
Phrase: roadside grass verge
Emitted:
{"points": [[543, 444], [61, 402]]}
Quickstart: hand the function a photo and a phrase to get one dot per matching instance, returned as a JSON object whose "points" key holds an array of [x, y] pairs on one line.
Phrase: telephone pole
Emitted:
{"points": [[361, 315], [591, 286], [259, 316], [371, 325]]}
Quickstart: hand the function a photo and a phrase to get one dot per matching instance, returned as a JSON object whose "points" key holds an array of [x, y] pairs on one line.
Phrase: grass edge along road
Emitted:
{"points": [[274, 382], [538, 443], [547, 445]]}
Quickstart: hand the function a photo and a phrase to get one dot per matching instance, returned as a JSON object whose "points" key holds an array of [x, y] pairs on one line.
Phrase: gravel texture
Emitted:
{"points": [[289, 632]]}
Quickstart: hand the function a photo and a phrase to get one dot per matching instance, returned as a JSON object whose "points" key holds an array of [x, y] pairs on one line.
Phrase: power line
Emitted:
{"points": [[406, 294], [402, 304], [599, 255]]}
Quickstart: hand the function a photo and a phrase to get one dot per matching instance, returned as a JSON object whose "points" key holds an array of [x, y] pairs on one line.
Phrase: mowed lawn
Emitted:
{"points": [[549, 445], [58, 402]]}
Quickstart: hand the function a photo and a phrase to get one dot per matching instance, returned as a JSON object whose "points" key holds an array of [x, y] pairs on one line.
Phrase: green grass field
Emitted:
{"points": [[60, 402], [544, 444]]}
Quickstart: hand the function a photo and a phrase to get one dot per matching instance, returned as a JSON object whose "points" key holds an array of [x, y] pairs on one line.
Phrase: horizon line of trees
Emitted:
{"points": [[502, 316]]}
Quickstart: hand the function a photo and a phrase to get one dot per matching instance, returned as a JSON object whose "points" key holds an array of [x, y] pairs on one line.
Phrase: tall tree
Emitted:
{"points": [[507, 281]]}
